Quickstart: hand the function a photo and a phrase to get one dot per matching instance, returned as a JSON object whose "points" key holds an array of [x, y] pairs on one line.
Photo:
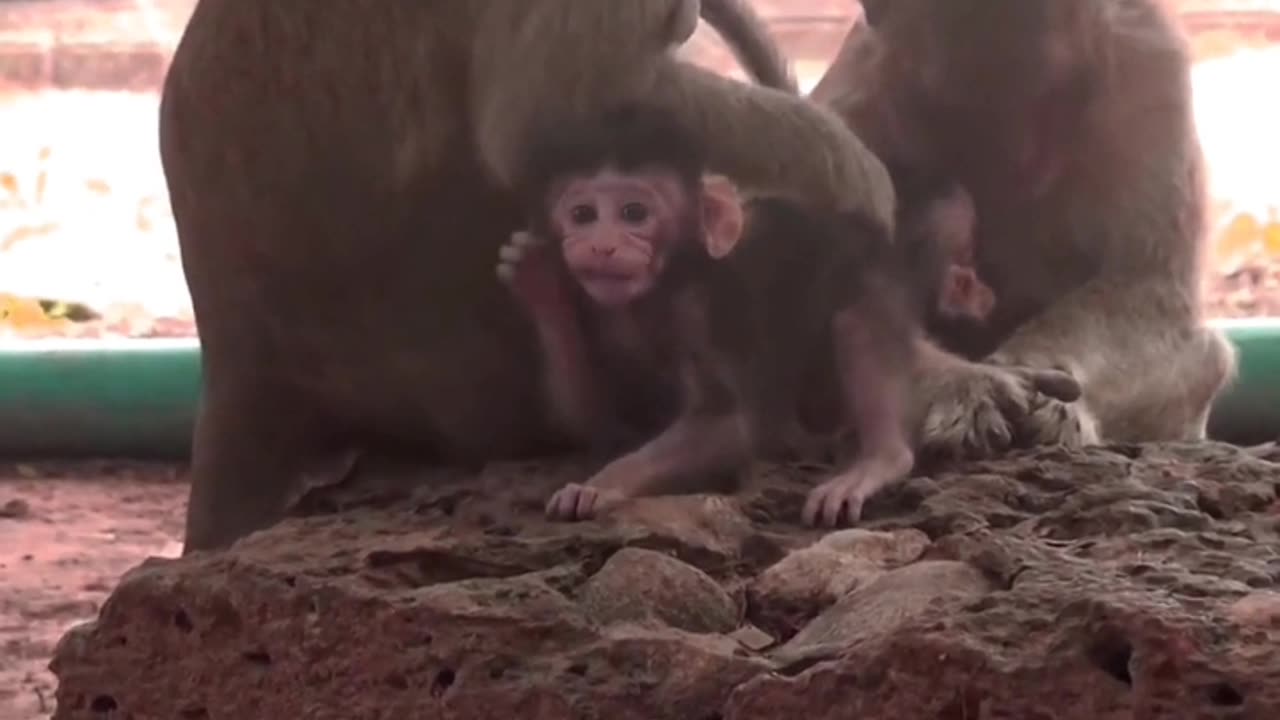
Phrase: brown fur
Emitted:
{"points": [[1087, 174], [744, 31], [336, 307], [707, 339]]}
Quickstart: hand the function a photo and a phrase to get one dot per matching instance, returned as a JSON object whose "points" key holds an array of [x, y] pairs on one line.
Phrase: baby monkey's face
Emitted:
{"points": [[617, 229]]}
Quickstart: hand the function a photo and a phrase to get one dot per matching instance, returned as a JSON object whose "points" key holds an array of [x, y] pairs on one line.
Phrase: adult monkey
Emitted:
{"points": [[1070, 122], [338, 175]]}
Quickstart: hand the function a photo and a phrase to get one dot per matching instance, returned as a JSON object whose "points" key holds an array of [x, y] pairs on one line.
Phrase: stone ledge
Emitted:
{"points": [[1125, 582]]}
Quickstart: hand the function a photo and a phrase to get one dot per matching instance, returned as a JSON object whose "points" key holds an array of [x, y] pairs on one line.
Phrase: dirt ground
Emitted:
{"points": [[67, 533]]}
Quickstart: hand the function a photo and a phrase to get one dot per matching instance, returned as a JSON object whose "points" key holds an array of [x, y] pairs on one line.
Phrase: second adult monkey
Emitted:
{"points": [[658, 314], [1070, 123], [320, 157]]}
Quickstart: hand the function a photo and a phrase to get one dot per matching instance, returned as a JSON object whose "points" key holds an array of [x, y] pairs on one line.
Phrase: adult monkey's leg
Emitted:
{"points": [[337, 237]]}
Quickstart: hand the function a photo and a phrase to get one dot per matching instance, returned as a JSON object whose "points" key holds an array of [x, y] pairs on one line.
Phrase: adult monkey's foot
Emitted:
{"points": [[976, 410], [1059, 413]]}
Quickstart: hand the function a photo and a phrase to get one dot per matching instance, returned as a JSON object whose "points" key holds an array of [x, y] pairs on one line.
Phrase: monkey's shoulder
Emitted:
{"points": [[788, 249]]}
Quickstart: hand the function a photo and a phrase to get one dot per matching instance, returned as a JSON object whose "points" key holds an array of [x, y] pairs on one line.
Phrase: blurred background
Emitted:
{"points": [[84, 215]]}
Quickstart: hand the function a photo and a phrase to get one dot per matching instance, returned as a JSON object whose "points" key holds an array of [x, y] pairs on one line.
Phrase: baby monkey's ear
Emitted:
{"points": [[722, 219]]}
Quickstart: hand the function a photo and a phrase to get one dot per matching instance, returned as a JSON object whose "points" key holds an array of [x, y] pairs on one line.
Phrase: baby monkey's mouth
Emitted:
{"points": [[612, 287], [605, 276]]}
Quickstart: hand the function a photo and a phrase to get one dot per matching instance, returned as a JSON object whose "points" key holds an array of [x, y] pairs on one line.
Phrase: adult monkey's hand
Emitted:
{"points": [[974, 409]]}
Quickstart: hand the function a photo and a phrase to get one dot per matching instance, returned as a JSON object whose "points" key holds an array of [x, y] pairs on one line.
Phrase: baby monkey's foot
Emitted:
{"points": [[526, 265], [839, 501], [576, 501]]}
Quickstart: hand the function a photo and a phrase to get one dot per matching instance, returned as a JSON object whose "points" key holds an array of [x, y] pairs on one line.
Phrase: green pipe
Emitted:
{"points": [[125, 398], [1248, 412], [137, 398]]}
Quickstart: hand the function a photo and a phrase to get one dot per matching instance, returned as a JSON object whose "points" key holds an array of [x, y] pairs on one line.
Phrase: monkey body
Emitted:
{"points": [[318, 160], [647, 263], [741, 357], [1070, 124]]}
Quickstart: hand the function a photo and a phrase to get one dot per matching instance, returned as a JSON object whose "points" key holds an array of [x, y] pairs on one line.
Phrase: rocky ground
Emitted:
{"points": [[1124, 582]]}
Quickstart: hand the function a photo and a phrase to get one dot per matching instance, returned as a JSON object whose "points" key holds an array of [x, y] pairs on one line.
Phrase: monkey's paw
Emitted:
{"points": [[1053, 422], [839, 500], [975, 410], [525, 265], [576, 501], [1057, 414]]}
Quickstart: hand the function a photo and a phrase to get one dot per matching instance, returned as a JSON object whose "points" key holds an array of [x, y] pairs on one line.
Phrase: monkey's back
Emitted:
{"points": [[774, 298]]}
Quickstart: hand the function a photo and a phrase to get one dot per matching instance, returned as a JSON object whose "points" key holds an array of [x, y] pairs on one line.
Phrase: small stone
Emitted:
{"points": [[795, 589], [641, 586], [16, 509], [1261, 609], [752, 637], [886, 549], [882, 606]]}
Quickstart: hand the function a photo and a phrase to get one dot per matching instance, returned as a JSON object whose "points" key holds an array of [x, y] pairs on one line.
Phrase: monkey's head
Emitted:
{"points": [[619, 230], [626, 195]]}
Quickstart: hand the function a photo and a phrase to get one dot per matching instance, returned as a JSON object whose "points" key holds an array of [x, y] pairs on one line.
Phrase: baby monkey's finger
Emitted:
{"points": [[523, 238]]}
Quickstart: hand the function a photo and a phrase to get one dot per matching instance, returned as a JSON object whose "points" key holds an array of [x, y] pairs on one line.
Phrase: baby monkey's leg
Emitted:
{"points": [[874, 345], [712, 436]]}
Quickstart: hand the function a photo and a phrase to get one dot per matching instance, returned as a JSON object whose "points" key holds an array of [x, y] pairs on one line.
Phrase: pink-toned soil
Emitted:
{"points": [[67, 533]]}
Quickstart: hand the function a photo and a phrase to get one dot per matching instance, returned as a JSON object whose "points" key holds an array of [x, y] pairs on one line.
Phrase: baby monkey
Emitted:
{"points": [[664, 307], [939, 244]]}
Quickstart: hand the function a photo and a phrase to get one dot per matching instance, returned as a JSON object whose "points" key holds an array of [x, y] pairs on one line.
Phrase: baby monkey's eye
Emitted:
{"points": [[635, 212], [582, 214]]}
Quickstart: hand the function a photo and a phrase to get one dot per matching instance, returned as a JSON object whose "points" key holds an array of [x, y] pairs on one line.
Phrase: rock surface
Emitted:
{"points": [[1122, 582]]}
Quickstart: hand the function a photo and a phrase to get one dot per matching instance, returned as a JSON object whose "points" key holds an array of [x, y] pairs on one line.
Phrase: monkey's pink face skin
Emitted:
{"points": [[617, 229]]}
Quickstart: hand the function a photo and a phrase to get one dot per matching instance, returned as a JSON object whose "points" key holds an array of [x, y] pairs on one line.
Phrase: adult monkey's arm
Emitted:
{"points": [[540, 60], [744, 31]]}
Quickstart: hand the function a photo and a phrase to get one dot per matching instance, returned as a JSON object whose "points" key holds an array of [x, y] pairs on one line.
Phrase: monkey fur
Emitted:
{"points": [[638, 262], [1070, 123], [340, 181], [744, 31]]}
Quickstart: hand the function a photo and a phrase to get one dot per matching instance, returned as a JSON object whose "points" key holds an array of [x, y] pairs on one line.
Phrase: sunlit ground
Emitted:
{"points": [[84, 215]]}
